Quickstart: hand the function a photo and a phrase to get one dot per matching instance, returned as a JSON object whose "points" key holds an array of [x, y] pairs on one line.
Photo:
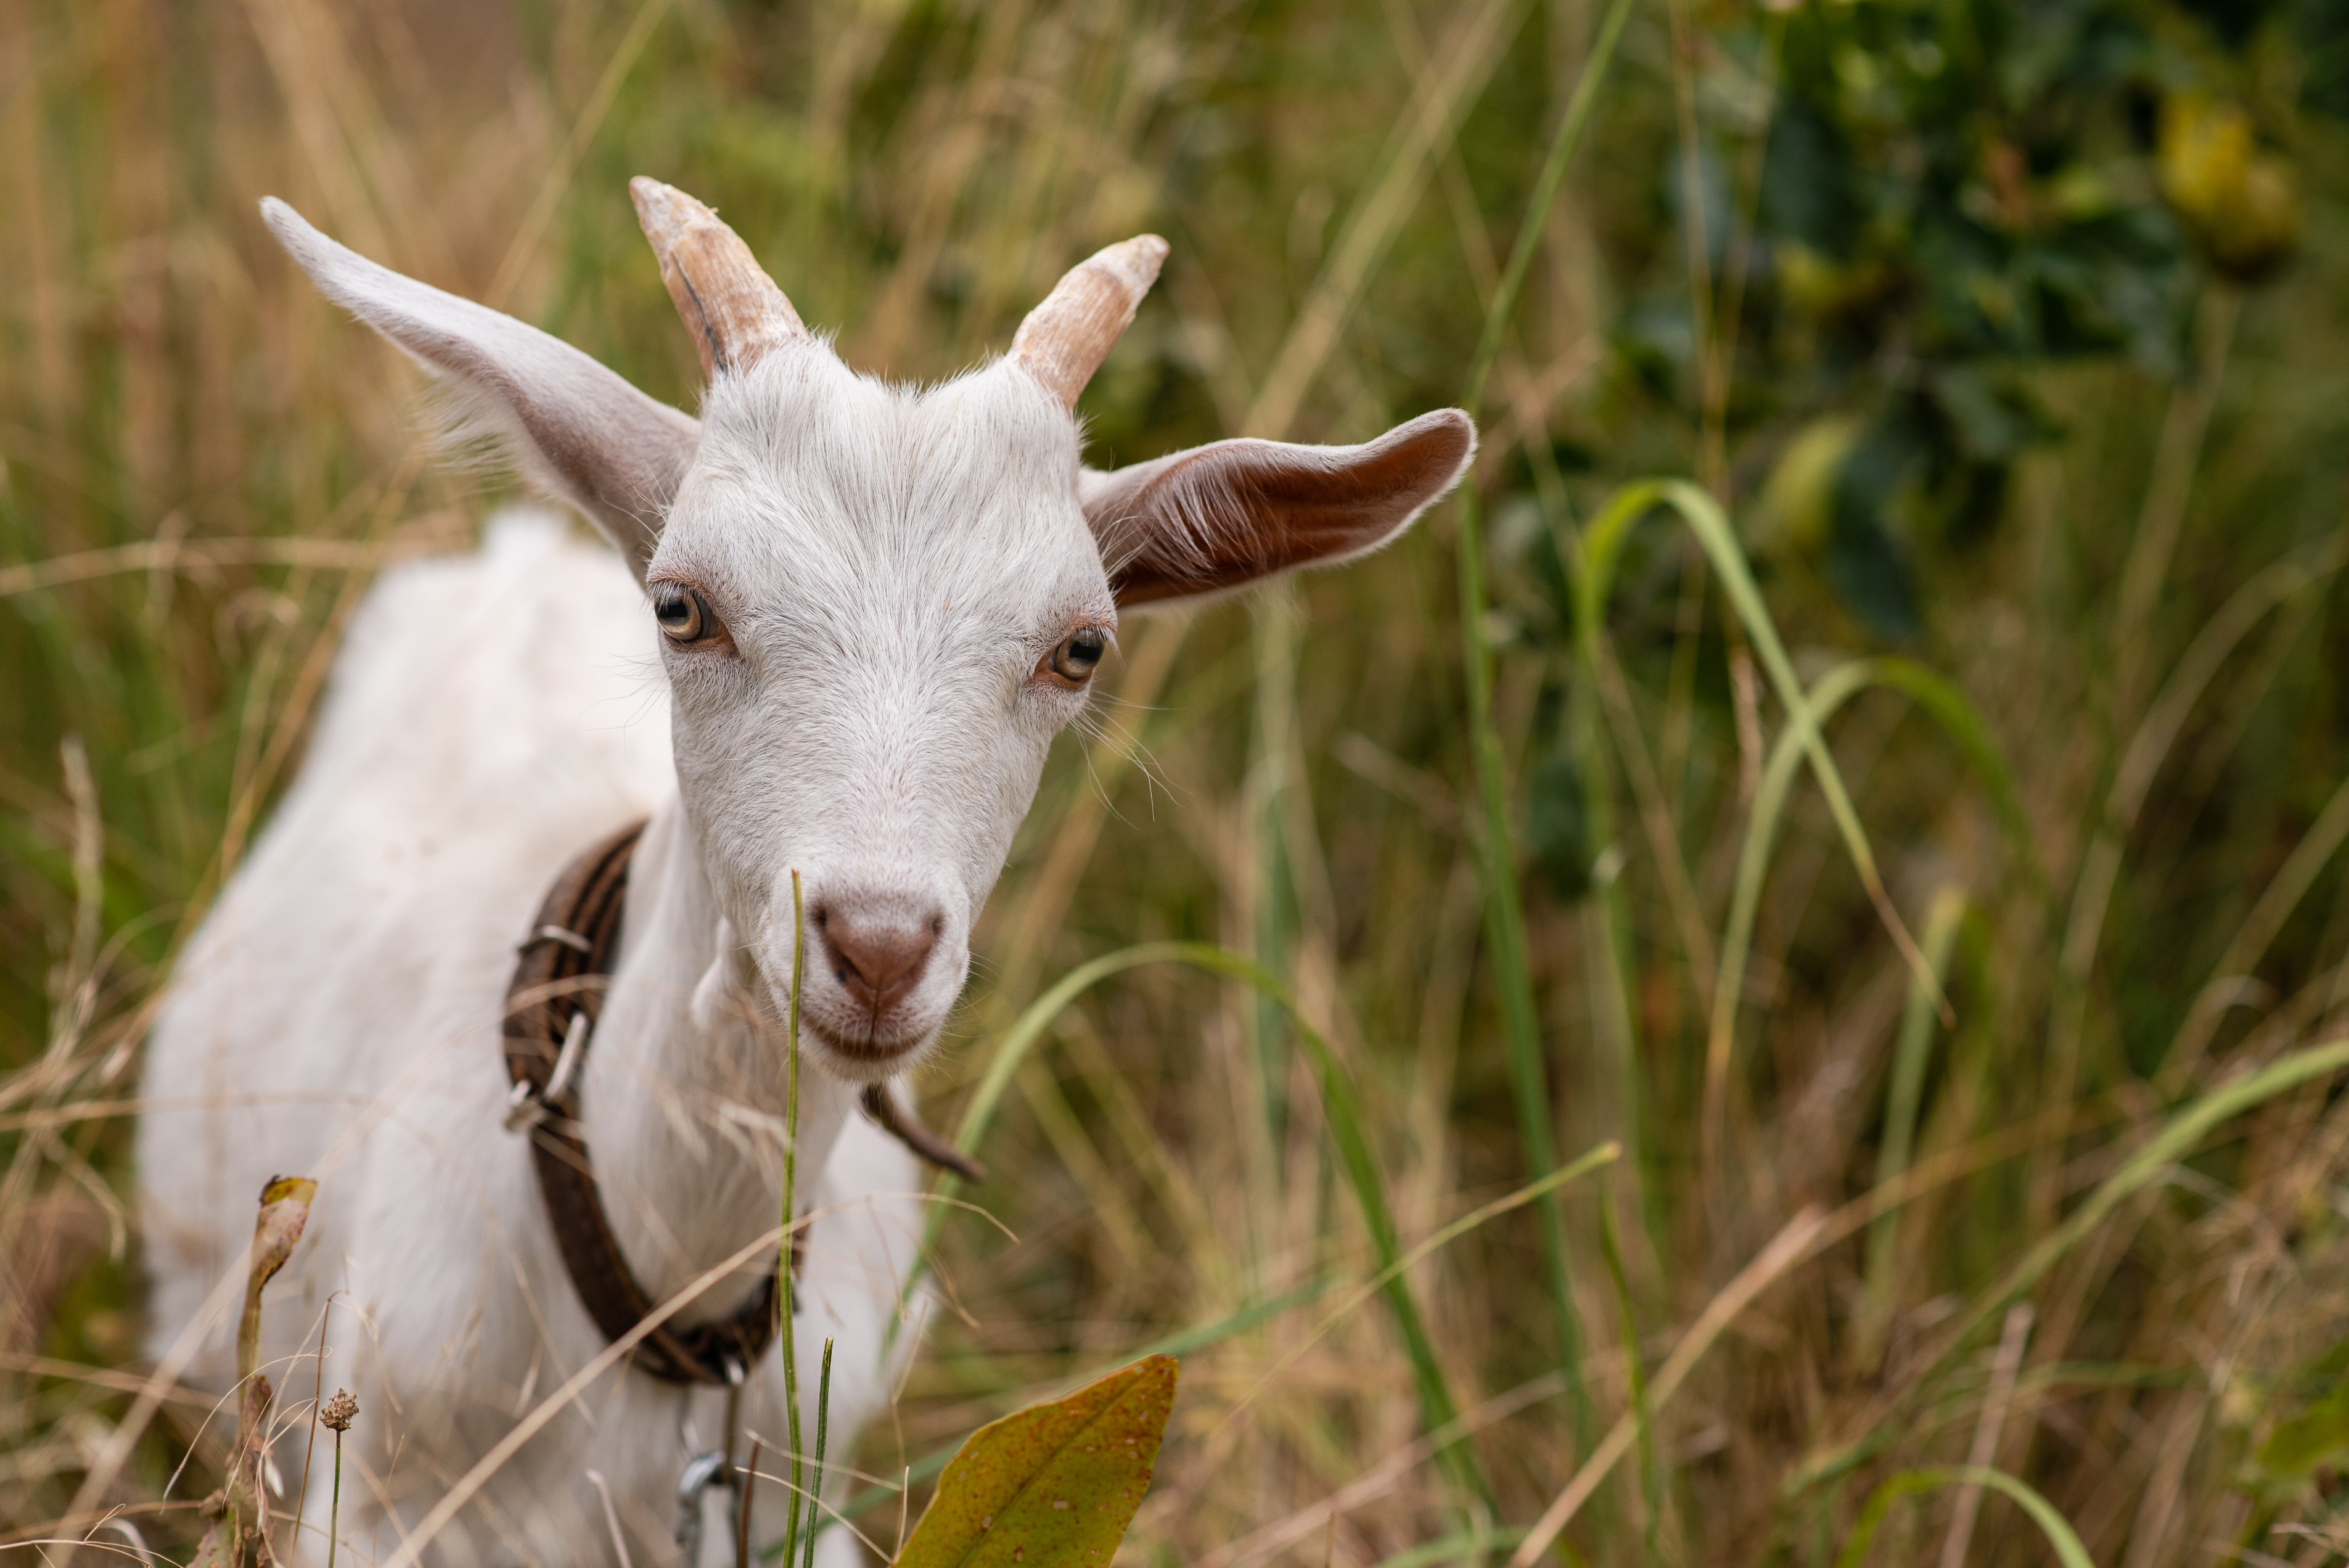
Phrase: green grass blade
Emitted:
{"points": [[2176, 1139], [786, 1314], [1505, 921], [1944, 702], [2060, 1534], [1505, 929], [1349, 1130], [815, 1477], [1902, 1098], [1562, 146], [1635, 1370], [1453, 1549], [1604, 541], [1606, 1154]]}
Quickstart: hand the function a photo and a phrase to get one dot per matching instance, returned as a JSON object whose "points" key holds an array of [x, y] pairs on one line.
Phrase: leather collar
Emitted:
{"points": [[564, 967]]}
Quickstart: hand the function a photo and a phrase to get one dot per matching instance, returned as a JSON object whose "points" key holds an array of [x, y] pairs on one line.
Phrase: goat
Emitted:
{"points": [[873, 607]]}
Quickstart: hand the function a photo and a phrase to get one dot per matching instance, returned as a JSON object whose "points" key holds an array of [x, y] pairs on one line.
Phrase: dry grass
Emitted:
{"points": [[202, 468]]}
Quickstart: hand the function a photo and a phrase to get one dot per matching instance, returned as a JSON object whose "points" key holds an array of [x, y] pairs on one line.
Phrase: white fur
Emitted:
{"points": [[893, 567]]}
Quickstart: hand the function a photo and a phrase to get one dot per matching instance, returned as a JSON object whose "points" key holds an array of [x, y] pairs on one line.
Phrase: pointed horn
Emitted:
{"points": [[1064, 340], [731, 306]]}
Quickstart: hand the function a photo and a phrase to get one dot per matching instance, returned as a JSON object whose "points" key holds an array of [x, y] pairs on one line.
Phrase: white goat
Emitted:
{"points": [[873, 607]]}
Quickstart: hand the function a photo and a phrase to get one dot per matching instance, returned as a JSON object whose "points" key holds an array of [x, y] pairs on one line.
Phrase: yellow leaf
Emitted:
{"points": [[1797, 501], [1055, 1484], [2242, 203]]}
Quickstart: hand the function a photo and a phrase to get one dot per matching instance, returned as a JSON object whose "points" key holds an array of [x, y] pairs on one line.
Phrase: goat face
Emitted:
{"points": [[879, 604]]}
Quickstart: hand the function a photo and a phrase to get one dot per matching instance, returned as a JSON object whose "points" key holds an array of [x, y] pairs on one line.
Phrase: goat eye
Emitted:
{"points": [[1079, 655], [683, 613]]}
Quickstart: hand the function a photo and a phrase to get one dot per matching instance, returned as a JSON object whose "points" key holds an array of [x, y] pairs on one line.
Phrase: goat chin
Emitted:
{"points": [[338, 1016]]}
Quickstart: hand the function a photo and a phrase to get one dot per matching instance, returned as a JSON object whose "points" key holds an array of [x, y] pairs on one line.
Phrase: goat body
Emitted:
{"points": [[872, 609], [340, 1015]]}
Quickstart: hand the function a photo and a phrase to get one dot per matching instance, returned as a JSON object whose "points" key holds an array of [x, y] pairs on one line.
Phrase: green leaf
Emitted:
{"points": [[2318, 1436], [1056, 1484]]}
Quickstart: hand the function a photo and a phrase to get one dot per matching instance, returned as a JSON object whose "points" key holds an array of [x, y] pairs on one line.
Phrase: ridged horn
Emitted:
{"points": [[731, 306], [1064, 339]]}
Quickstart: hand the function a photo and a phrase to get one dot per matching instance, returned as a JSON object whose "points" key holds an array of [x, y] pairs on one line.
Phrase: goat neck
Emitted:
{"points": [[684, 1098]]}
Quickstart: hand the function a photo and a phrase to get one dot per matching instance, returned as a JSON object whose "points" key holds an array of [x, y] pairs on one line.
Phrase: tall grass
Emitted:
{"points": [[2102, 786]]}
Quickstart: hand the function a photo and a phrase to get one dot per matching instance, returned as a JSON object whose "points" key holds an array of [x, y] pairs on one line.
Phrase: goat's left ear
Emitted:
{"points": [[1218, 517]]}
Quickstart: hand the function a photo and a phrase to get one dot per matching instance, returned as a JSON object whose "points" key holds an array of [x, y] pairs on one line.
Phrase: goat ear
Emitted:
{"points": [[1218, 517], [578, 430]]}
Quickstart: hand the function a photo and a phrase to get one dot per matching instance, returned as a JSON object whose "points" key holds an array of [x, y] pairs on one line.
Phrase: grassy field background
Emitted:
{"points": [[1996, 1122]]}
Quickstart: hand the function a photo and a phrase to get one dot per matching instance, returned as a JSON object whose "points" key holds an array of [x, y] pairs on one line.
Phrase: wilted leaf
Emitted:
{"points": [[1056, 1484], [284, 1210]]}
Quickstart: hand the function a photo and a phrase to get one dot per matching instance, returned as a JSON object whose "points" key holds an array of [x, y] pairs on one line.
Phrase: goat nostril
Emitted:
{"points": [[878, 961]]}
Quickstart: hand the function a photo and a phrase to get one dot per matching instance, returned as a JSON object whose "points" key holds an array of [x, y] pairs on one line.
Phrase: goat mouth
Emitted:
{"points": [[866, 1048]]}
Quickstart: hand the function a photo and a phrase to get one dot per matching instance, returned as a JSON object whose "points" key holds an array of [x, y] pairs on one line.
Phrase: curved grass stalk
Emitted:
{"points": [[1604, 541], [1793, 1243], [2148, 747], [1635, 1371], [2258, 930], [2058, 1530], [1453, 1548], [1349, 1130], [1812, 1230], [1450, 88], [1902, 1098], [1941, 699], [2176, 1139], [1606, 1154]]}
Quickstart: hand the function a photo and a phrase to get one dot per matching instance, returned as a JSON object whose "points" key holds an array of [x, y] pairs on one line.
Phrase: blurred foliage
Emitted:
{"points": [[1913, 210]]}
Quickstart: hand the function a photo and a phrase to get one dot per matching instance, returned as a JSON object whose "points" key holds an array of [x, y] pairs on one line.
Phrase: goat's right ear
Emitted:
{"points": [[577, 429]]}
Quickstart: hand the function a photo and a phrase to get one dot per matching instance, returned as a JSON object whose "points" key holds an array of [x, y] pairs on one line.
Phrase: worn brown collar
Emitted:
{"points": [[557, 992]]}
